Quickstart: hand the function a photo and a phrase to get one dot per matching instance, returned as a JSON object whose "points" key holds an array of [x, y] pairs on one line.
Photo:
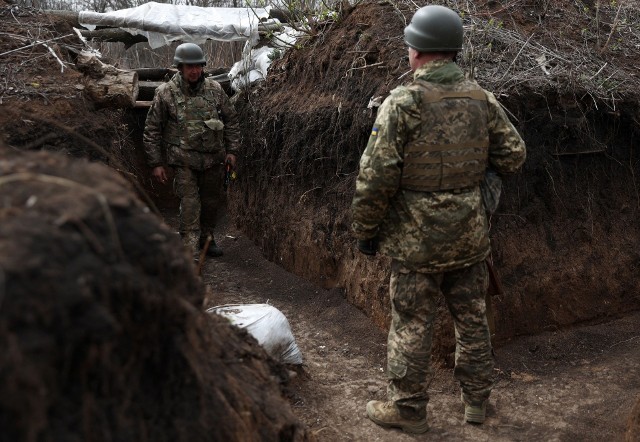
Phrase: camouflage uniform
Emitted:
{"points": [[191, 129], [426, 210]]}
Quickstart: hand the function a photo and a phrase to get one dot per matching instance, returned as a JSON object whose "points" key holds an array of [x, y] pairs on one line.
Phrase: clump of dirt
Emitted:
{"points": [[564, 236], [101, 324]]}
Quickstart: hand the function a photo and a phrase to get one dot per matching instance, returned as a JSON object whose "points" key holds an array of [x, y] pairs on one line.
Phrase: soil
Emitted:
{"points": [[577, 384], [564, 238], [102, 333]]}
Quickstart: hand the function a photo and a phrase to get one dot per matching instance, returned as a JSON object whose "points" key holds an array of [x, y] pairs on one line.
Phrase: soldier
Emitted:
{"points": [[192, 130], [418, 201]]}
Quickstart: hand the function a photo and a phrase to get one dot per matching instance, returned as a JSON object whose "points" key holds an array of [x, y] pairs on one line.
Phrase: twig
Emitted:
{"points": [[14, 17], [36, 43], [599, 70], [362, 67], [405, 74], [613, 28], [55, 56], [203, 253], [622, 342], [509, 112], [305, 193], [507, 6], [398, 11], [517, 55]]}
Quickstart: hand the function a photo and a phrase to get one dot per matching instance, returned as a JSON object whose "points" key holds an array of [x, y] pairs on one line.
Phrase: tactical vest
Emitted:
{"points": [[452, 149], [198, 126]]}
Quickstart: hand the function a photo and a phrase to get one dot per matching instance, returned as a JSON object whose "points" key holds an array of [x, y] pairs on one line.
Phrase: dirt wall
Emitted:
{"points": [[102, 327], [563, 238]]}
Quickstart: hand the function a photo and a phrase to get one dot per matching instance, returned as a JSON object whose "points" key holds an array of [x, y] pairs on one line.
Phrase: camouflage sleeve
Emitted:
{"points": [[231, 125], [507, 150], [380, 169], [152, 137]]}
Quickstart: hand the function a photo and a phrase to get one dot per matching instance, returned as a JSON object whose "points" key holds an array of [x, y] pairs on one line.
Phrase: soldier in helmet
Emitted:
{"points": [[418, 201], [192, 130]]}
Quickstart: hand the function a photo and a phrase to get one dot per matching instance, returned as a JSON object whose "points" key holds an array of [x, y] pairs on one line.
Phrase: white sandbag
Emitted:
{"points": [[262, 60], [255, 76], [238, 68], [285, 39], [268, 325], [239, 83]]}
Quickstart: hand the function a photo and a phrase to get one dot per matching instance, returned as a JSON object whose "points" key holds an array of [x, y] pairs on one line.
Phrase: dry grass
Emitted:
{"points": [[551, 45]]}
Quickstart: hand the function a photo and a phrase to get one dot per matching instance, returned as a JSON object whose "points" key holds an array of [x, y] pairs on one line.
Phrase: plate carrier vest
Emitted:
{"points": [[199, 127], [452, 149]]}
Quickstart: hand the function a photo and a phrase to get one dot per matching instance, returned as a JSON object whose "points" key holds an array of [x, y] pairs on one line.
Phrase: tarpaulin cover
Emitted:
{"points": [[163, 23]]}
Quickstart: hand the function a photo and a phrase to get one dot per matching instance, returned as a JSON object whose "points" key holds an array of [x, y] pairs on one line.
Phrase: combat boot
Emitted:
{"points": [[387, 414], [214, 250], [474, 413]]}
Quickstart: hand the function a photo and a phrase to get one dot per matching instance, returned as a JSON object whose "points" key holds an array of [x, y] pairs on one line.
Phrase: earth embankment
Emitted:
{"points": [[564, 237]]}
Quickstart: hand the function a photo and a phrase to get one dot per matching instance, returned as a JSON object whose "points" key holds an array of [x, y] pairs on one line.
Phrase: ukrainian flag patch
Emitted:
{"points": [[374, 131]]}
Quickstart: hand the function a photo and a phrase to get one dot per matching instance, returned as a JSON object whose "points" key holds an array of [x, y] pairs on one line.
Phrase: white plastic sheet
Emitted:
{"points": [[163, 23], [256, 61], [268, 325]]}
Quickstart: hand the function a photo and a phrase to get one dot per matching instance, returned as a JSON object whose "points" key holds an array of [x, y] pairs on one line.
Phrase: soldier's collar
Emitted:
{"points": [[439, 71]]}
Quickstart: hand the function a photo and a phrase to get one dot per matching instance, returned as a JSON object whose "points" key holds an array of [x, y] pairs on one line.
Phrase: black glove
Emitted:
{"points": [[368, 246]]}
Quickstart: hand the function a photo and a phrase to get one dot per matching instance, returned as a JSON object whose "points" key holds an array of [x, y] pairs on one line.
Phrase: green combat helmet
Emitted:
{"points": [[434, 28], [189, 53]]}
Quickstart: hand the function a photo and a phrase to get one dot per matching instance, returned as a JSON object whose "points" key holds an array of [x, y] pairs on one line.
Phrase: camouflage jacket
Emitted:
{"points": [[193, 127], [428, 231]]}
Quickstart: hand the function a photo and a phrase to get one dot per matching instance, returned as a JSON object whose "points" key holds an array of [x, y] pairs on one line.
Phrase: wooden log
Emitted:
{"points": [[155, 74], [113, 35], [147, 89], [106, 85], [142, 104]]}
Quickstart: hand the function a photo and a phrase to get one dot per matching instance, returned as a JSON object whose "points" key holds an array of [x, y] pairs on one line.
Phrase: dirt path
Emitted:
{"points": [[578, 384]]}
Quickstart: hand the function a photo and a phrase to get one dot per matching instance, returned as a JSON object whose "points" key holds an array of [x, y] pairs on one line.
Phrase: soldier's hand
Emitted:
{"points": [[368, 246], [160, 174]]}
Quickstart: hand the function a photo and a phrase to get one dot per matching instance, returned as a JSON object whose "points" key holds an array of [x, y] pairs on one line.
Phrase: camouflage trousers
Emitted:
{"points": [[413, 303], [202, 199]]}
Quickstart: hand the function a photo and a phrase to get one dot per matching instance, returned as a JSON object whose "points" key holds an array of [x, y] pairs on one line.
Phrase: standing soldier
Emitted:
{"points": [[192, 129], [418, 199]]}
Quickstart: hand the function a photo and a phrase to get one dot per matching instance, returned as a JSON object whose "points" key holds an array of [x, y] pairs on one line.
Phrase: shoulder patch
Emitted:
{"points": [[374, 131]]}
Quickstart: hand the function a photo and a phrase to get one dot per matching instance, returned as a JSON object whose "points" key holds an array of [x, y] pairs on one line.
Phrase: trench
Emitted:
{"points": [[563, 238]]}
